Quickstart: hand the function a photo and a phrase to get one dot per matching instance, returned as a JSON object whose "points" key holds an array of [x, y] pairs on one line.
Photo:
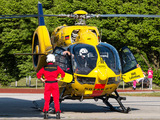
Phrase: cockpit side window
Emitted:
{"points": [[128, 62], [63, 61]]}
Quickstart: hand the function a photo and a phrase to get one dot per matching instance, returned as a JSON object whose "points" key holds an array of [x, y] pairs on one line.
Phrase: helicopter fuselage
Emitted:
{"points": [[95, 66], [93, 69]]}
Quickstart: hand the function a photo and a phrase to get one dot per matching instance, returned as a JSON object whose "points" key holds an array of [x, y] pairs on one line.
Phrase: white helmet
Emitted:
{"points": [[83, 52], [50, 58]]}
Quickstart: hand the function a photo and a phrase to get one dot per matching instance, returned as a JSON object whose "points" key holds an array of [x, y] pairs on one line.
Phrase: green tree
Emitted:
{"points": [[141, 35], [16, 37]]}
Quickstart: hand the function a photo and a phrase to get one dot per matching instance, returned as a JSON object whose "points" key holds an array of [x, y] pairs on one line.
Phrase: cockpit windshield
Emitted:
{"points": [[85, 58]]}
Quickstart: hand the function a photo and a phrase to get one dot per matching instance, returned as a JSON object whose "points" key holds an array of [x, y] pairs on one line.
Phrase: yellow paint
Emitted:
{"points": [[44, 45], [68, 78], [88, 92], [81, 12], [84, 35], [102, 70], [133, 75]]}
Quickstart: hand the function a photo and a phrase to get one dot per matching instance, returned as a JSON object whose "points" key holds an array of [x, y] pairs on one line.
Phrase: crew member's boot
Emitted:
{"points": [[46, 115], [57, 115]]}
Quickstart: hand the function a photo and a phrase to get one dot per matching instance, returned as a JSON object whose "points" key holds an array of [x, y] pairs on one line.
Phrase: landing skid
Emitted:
{"points": [[105, 99], [121, 108], [37, 106], [51, 110]]}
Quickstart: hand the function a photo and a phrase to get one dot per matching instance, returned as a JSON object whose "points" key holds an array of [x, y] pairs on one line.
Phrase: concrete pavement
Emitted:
{"points": [[20, 106]]}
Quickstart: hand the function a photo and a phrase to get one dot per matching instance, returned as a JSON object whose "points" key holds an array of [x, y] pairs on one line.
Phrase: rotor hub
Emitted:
{"points": [[81, 16]]}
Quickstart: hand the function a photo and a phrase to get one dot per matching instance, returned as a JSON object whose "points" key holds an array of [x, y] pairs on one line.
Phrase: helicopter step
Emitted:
{"points": [[118, 98]]}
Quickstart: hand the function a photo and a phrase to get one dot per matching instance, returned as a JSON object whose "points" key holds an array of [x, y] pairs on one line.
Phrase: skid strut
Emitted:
{"points": [[118, 98], [37, 106]]}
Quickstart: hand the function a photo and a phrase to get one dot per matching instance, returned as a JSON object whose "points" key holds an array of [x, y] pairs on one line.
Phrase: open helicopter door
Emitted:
{"points": [[63, 61], [130, 67]]}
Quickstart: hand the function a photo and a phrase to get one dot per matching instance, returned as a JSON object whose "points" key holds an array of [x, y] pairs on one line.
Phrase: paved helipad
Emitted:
{"points": [[20, 106]]}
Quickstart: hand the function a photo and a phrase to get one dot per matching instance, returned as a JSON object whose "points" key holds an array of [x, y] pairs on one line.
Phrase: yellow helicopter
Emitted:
{"points": [[93, 69]]}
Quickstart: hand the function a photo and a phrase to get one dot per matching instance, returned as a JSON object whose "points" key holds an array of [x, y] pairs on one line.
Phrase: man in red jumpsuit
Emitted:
{"points": [[50, 72]]}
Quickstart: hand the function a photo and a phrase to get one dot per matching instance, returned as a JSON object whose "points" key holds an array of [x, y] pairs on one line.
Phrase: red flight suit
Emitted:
{"points": [[50, 72]]}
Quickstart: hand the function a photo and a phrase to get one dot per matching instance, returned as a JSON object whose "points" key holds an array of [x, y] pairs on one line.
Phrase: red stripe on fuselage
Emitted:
{"points": [[98, 89]]}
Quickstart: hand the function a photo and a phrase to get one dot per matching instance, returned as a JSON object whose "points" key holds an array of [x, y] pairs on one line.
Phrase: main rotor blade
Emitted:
{"points": [[125, 15], [29, 54], [73, 16], [36, 15]]}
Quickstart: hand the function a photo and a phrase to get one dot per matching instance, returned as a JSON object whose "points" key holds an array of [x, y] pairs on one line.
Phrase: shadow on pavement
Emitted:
{"points": [[11, 107]]}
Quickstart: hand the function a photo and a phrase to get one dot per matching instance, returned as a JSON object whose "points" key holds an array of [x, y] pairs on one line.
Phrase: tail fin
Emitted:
{"points": [[40, 12]]}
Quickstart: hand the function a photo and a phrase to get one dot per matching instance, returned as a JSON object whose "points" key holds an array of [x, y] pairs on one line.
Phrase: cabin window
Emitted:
{"points": [[128, 61], [63, 61]]}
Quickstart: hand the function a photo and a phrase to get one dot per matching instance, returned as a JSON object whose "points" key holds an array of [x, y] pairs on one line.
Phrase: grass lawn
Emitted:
{"points": [[138, 86], [23, 83], [156, 94]]}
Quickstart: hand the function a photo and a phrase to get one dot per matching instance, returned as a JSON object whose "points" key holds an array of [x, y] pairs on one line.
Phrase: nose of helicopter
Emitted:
{"points": [[102, 74]]}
